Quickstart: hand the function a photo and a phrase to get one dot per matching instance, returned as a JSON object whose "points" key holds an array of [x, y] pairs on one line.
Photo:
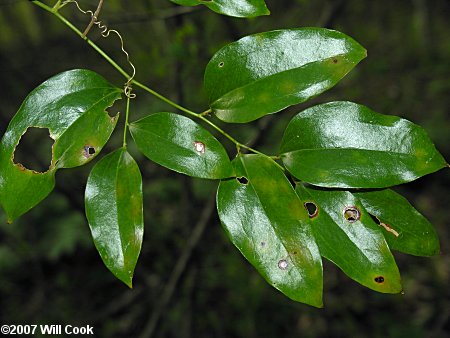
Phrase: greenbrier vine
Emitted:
{"points": [[341, 158]]}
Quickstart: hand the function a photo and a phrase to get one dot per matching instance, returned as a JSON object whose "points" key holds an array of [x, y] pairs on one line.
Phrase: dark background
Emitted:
{"points": [[190, 280]]}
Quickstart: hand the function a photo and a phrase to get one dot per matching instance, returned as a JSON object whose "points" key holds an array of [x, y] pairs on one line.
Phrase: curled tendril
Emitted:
{"points": [[105, 32]]}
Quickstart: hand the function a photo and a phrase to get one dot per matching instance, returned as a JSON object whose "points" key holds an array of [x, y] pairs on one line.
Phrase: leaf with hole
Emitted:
{"points": [[265, 220], [114, 209], [347, 236], [404, 228], [71, 106], [178, 143], [264, 73], [237, 8], [347, 145]]}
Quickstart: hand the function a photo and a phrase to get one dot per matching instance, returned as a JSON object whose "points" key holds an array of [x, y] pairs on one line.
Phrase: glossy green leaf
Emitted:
{"points": [[344, 144], [178, 143], [356, 245], [404, 228], [71, 106], [114, 210], [267, 72], [265, 220], [237, 8]]}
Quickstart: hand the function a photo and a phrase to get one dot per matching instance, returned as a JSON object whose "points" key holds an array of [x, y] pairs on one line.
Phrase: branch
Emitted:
{"points": [[94, 18], [179, 267]]}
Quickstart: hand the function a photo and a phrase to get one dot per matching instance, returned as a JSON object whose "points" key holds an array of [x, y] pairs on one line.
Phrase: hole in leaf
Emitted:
{"points": [[199, 147], [221, 64], [352, 214], [375, 219], [34, 151], [89, 151], [283, 264], [384, 225], [242, 180], [312, 209], [379, 279]]}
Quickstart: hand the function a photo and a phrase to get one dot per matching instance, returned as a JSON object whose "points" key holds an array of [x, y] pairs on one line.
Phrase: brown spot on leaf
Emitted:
{"points": [[283, 264], [88, 151], [199, 147], [352, 214], [312, 209]]}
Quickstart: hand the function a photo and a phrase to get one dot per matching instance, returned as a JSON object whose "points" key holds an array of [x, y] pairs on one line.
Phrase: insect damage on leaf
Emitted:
{"points": [[352, 214], [199, 147], [88, 151], [34, 150], [312, 209], [385, 226]]}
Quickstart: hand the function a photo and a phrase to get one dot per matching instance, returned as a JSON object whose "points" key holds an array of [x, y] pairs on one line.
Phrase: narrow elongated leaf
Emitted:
{"points": [[265, 220], [113, 202], [344, 144], [178, 143], [264, 73], [404, 228], [347, 236], [237, 8], [71, 106]]}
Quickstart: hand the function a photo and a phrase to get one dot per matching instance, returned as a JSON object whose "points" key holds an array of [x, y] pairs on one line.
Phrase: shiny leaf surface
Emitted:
{"points": [[71, 106], [347, 236], [404, 228], [178, 143], [265, 220], [237, 8], [114, 210], [343, 144], [267, 72]]}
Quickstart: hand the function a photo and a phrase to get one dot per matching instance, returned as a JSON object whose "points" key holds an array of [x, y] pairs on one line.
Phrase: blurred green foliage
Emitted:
{"points": [[49, 269]]}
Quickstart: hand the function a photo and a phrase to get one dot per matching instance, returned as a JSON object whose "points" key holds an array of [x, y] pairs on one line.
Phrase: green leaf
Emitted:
{"points": [[347, 236], [347, 145], [113, 203], [178, 143], [237, 8], [71, 106], [265, 220], [404, 228], [264, 73]]}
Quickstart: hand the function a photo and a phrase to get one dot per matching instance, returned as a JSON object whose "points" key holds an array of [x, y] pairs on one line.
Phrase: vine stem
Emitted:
{"points": [[127, 113], [54, 10]]}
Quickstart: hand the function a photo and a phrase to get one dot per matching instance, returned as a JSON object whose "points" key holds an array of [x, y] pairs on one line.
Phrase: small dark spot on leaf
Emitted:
{"points": [[283, 264], [263, 244], [199, 147], [242, 180], [352, 214], [379, 279], [88, 151], [221, 64], [335, 60], [312, 209], [294, 252]]}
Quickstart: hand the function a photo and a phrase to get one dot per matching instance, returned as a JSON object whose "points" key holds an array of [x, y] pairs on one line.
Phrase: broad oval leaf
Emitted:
{"points": [[265, 220], [347, 145], [71, 106], [237, 8], [178, 143], [113, 201], [347, 236], [404, 228], [264, 73]]}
